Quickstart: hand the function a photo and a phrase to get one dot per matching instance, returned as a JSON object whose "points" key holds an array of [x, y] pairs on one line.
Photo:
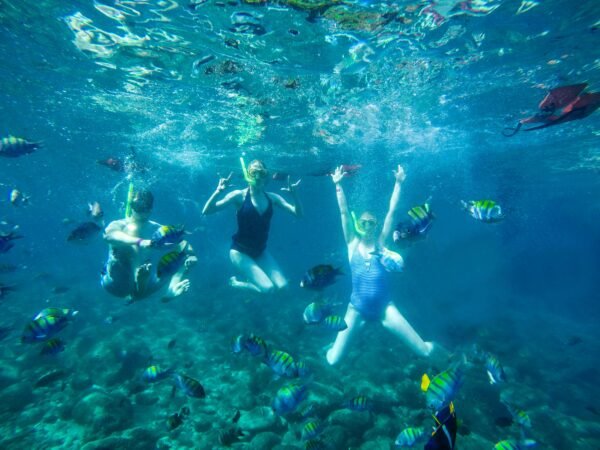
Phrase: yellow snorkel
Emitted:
{"points": [[129, 200], [247, 177], [357, 228]]}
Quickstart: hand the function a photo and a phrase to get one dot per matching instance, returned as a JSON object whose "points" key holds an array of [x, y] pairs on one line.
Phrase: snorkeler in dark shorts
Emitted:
{"points": [[254, 205], [127, 272]]}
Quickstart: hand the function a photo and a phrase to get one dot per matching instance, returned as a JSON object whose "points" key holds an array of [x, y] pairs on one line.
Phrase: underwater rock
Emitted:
{"points": [[265, 440], [15, 398], [261, 418], [311, 6], [9, 375], [104, 413], [379, 444], [146, 398], [109, 443], [356, 421]]}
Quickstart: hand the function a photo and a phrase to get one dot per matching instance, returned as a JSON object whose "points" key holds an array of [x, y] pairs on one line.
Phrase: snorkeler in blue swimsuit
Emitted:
{"points": [[370, 299], [249, 252]]}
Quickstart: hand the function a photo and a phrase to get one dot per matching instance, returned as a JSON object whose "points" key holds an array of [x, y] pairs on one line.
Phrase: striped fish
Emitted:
{"points": [[519, 416], [171, 262], [167, 235], [190, 386], [359, 403], [256, 345], [335, 323], [281, 363], [311, 429], [494, 369], [410, 436], [288, 398], [153, 374], [316, 312], [52, 347], [13, 147], [42, 329], [511, 444], [421, 217], [484, 210], [442, 389], [57, 312]]}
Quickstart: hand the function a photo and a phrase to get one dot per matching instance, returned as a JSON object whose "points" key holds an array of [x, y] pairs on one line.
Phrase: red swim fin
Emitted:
{"points": [[586, 103], [561, 96]]}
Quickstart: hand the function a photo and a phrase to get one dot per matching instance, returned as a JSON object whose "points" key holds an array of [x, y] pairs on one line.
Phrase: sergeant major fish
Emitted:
{"points": [[288, 398], [442, 389], [13, 147], [487, 211]]}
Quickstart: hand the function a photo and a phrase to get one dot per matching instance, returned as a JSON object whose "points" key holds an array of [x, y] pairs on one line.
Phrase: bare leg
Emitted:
{"points": [[258, 280], [397, 324], [353, 320], [271, 268]]}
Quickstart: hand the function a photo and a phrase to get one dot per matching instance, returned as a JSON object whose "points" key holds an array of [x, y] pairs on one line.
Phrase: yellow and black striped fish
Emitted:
{"points": [[281, 363], [171, 262], [12, 147], [42, 329], [190, 386]]}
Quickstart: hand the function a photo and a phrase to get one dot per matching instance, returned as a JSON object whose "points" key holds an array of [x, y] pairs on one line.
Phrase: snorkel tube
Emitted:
{"points": [[357, 228], [129, 200], [247, 177]]}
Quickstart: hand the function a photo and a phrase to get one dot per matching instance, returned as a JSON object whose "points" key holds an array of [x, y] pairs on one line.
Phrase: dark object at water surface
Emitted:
{"points": [[562, 104]]}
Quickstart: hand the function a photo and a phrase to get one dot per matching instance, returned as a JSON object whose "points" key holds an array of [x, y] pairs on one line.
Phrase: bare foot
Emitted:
{"points": [[142, 275], [234, 282]]}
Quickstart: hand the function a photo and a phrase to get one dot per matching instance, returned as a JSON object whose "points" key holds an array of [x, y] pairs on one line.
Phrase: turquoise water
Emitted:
{"points": [[370, 83]]}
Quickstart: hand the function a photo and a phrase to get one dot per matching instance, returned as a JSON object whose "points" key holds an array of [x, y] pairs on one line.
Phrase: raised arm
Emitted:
{"points": [[296, 208], [347, 226], [212, 205], [388, 224]]}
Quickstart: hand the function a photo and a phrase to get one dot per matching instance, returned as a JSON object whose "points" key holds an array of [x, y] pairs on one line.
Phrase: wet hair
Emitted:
{"points": [[257, 166], [142, 201]]}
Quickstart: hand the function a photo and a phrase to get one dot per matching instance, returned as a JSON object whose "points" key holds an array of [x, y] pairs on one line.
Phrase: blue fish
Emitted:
{"points": [[256, 345], [288, 398], [311, 429], [316, 312], [190, 386], [13, 147], [484, 210], [42, 329], [359, 403], [442, 389], [511, 444], [420, 221], [172, 261], [58, 312], [167, 235], [410, 436], [5, 240], [52, 347], [494, 369], [281, 363], [152, 374], [335, 323]]}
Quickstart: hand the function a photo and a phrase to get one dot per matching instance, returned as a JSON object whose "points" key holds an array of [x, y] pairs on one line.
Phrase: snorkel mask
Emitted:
{"points": [[254, 173]]}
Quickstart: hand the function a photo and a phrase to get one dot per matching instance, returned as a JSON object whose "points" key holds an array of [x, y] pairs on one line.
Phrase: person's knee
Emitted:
{"points": [[266, 287]]}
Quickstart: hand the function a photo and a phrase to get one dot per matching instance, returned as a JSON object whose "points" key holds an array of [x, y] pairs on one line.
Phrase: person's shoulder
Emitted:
{"points": [[119, 223]]}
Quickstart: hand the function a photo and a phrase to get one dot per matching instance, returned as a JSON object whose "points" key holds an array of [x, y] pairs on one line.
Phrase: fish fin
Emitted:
{"points": [[561, 96], [425, 381], [509, 132]]}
